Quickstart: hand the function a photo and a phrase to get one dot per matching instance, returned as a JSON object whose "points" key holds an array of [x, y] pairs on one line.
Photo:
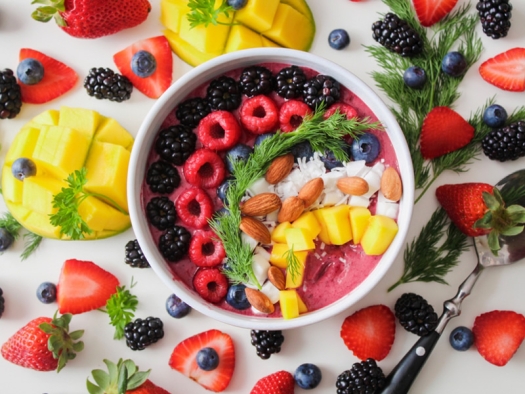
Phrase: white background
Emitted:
{"points": [[447, 371]]}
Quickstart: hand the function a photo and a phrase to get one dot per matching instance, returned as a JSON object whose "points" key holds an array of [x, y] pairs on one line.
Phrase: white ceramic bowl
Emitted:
{"points": [[208, 71]]}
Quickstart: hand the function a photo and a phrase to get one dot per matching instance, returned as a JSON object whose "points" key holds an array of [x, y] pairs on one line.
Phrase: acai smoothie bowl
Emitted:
{"points": [[270, 188]]}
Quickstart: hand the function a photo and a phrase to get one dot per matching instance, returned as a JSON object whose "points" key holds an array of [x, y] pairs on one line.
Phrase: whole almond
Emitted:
{"points": [[279, 169], [276, 276], [353, 185], [291, 209], [259, 300], [261, 204], [391, 185], [311, 191], [255, 229]]}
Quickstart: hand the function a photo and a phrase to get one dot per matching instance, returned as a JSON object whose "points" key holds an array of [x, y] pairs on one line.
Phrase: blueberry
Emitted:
{"points": [[415, 77], [461, 338], [223, 189], [30, 71], [338, 39], [207, 359], [46, 293], [143, 64], [454, 64], [6, 239], [236, 297], [366, 147], [223, 212], [495, 116], [240, 152], [237, 4], [329, 160], [302, 150], [176, 307], [307, 376], [260, 138], [23, 168]]}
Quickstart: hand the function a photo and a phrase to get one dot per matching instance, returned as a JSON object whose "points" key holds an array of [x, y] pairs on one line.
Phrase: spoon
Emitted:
{"points": [[512, 250]]}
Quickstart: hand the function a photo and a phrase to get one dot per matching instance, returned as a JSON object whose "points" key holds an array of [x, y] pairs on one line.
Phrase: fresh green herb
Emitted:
{"points": [[13, 227], [31, 243], [203, 12], [292, 264], [121, 307]]}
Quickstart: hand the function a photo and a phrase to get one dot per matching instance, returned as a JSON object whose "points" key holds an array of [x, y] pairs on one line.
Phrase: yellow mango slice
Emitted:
{"points": [[39, 192], [23, 144], [172, 12], [323, 233], [359, 217], [257, 14], [278, 232], [379, 234], [337, 222], [12, 188], [309, 222], [49, 117], [295, 280], [39, 224], [288, 29], [301, 305], [242, 38], [278, 255], [83, 120], [288, 303], [299, 239], [100, 216], [187, 51], [112, 132]]}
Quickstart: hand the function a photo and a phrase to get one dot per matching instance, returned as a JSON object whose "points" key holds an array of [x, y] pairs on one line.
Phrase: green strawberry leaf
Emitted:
{"points": [[138, 379], [512, 231], [493, 241], [101, 377]]}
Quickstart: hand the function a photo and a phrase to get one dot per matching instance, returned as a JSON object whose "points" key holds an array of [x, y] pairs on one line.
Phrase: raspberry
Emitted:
{"points": [[259, 115], [211, 284], [194, 207], [219, 130], [204, 168], [206, 249], [291, 115], [343, 108]]}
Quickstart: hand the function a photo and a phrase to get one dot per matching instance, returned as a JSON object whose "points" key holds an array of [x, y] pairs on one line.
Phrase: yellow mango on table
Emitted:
{"points": [[288, 28], [379, 235], [172, 12], [23, 144], [258, 15], [242, 38]]}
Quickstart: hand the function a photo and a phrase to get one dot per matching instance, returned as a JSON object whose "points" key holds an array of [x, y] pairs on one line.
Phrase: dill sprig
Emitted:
{"points": [[203, 12], [31, 243], [13, 227], [121, 307]]}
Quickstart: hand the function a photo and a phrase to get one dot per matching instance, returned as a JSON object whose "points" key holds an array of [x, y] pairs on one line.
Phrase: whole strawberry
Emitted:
{"points": [[93, 18]]}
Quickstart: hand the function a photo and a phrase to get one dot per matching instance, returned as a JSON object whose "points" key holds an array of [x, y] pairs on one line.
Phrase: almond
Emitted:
{"points": [[276, 276], [291, 209], [311, 191], [259, 300], [279, 169], [255, 229], [261, 204], [353, 185], [391, 185]]}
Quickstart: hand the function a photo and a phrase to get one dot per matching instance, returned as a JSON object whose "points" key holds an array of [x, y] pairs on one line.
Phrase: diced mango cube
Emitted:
{"points": [[39, 224], [12, 188], [278, 232], [359, 217], [83, 120], [258, 14], [323, 234], [299, 239], [242, 38], [23, 144], [289, 304], [309, 222], [49, 117], [289, 28], [379, 234], [101, 216], [337, 222], [302, 306], [295, 276], [112, 132], [39, 192], [172, 12], [278, 255], [19, 212], [187, 51]]}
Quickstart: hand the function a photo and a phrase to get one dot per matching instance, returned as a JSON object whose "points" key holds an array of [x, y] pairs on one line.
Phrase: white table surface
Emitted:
{"points": [[447, 371]]}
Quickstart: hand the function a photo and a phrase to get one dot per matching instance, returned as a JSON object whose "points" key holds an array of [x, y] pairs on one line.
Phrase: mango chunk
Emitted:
{"points": [[172, 12], [337, 222], [359, 217], [309, 222], [278, 232], [378, 235], [278, 255], [299, 239], [12, 188], [112, 132], [100, 216], [186, 51], [323, 233], [301, 305], [289, 304], [39, 224], [39, 192], [295, 277], [290, 29], [49, 117], [18, 211], [242, 38], [258, 15], [23, 144], [83, 120]]}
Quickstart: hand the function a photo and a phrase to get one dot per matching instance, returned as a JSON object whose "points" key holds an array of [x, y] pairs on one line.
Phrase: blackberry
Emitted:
{"points": [[104, 83], [495, 17], [161, 212], [363, 378], [10, 95], [134, 256], [162, 177], [289, 82], [267, 342], [396, 35], [175, 144], [174, 243], [223, 94], [191, 111], [143, 332], [2, 302], [415, 314], [321, 89], [505, 143], [256, 80]]}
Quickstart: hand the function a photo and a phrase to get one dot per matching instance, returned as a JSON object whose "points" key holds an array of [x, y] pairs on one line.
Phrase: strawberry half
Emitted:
{"points": [[84, 286], [280, 382], [506, 70], [444, 131], [183, 359], [498, 335], [148, 64], [370, 332], [58, 79], [430, 12]]}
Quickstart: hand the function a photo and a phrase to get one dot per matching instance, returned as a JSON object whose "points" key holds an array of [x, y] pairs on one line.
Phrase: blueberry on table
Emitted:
{"points": [[176, 307], [495, 116], [46, 292], [23, 168], [366, 147], [415, 77], [207, 359], [6, 239], [307, 376], [454, 64], [461, 338], [236, 297], [339, 39], [30, 71]]}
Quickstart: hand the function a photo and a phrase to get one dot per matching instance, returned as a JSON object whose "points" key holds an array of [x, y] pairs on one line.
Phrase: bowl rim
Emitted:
{"points": [[205, 72]]}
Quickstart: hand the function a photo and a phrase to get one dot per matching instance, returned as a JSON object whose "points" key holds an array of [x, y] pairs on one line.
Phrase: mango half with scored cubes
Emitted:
{"points": [[59, 143], [260, 23]]}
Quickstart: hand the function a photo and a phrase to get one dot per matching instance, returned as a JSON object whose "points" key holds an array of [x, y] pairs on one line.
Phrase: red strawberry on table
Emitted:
{"points": [[370, 332], [57, 80], [430, 12], [498, 335], [183, 359], [444, 131], [93, 18], [148, 64], [84, 286], [281, 382], [506, 70]]}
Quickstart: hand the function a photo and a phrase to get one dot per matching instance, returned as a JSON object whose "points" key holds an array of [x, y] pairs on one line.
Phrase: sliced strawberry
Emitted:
{"points": [[498, 335], [84, 286], [156, 83], [183, 359], [444, 131], [280, 382], [506, 70], [430, 12], [58, 79], [370, 332]]}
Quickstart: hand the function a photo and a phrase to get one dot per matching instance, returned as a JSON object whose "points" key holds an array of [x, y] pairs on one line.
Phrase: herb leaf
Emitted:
{"points": [[13, 227], [31, 243], [121, 307], [203, 12]]}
